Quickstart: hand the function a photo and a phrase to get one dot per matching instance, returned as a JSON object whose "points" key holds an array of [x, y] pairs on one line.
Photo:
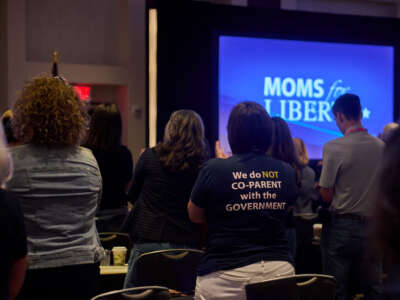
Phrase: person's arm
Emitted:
{"points": [[326, 194], [219, 151], [196, 214], [17, 276], [331, 165]]}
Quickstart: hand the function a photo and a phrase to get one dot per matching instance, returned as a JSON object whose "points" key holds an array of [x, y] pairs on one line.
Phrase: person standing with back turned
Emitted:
{"points": [[58, 184], [349, 182], [243, 200]]}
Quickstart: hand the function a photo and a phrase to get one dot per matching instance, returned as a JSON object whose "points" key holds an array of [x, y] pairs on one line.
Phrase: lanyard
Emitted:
{"points": [[358, 129]]}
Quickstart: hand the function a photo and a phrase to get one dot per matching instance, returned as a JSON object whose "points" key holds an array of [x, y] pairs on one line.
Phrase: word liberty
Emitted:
{"points": [[308, 110]]}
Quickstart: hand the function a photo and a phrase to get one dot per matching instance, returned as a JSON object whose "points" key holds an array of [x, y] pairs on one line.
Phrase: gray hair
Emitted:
{"points": [[388, 131]]}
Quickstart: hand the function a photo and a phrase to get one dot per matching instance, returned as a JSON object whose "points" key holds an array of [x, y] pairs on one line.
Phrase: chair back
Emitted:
{"points": [[137, 293], [173, 268], [114, 239], [296, 287], [282, 288], [316, 286]]}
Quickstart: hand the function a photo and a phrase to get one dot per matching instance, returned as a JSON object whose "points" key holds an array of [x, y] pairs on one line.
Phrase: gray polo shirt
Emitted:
{"points": [[350, 166]]}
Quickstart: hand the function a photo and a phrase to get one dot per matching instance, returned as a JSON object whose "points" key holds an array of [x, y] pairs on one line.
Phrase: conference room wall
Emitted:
{"points": [[101, 43]]}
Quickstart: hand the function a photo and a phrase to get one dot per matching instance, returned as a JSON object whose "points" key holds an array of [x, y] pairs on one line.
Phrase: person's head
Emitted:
{"points": [[105, 128], [387, 213], [49, 113], [282, 146], [347, 111], [301, 151], [249, 128], [388, 131], [183, 147], [5, 160], [6, 120]]}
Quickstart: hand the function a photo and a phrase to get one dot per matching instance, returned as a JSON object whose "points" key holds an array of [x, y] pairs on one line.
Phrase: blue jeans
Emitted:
{"points": [[346, 255], [139, 249]]}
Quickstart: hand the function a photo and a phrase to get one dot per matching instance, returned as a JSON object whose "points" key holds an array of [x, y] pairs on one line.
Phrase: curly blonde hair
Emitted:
{"points": [[49, 113]]}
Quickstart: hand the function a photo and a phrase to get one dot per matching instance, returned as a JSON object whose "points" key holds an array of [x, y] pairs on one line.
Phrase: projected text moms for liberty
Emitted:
{"points": [[315, 105]]}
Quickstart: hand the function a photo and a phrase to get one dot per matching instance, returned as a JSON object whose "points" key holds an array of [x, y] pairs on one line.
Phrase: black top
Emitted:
{"points": [[116, 172], [13, 237], [160, 200], [245, 198]]}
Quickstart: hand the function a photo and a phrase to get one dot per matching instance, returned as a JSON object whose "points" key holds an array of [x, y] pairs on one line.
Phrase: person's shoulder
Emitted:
{"points": [[26, 155], [80, 150], [378, 142], [125, 150], [367, 141], [84, 153], [336, 145], [218, 164], [308, 170], [149, 157], [124, 153], [336, 142], [19, 149], [150, 153]]}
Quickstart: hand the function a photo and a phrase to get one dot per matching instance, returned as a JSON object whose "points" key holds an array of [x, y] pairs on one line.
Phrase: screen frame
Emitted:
{"points": [[218, 34]]}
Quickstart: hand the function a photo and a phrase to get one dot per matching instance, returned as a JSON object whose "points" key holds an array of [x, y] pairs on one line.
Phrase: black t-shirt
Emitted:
{"points": [[116, 171], [13, 246], [245, 198]]}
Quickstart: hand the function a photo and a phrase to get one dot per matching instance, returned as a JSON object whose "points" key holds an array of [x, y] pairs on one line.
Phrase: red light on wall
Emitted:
{"points": [[83, 92]]}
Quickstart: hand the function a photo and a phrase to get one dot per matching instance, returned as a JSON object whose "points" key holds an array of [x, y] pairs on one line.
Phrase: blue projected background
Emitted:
{"points": [[300, 81]]}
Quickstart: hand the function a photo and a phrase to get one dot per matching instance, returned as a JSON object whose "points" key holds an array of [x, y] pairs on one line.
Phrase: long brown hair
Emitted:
{"points": [[283, 148], [183, 147], [105, 128]]}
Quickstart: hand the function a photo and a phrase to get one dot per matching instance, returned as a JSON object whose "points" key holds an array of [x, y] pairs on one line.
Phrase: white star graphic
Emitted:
{"points": [[366, 113]]}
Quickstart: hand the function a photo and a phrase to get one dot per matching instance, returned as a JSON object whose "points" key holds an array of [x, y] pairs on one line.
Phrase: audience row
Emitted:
{"points": [[252, 212]]}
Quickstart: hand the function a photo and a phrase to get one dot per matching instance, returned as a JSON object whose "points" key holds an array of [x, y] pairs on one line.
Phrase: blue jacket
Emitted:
{"points": [[59, 190]]}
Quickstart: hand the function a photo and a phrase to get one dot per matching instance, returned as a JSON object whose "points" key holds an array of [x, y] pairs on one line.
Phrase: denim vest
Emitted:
{"points": [[59, 190]]}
